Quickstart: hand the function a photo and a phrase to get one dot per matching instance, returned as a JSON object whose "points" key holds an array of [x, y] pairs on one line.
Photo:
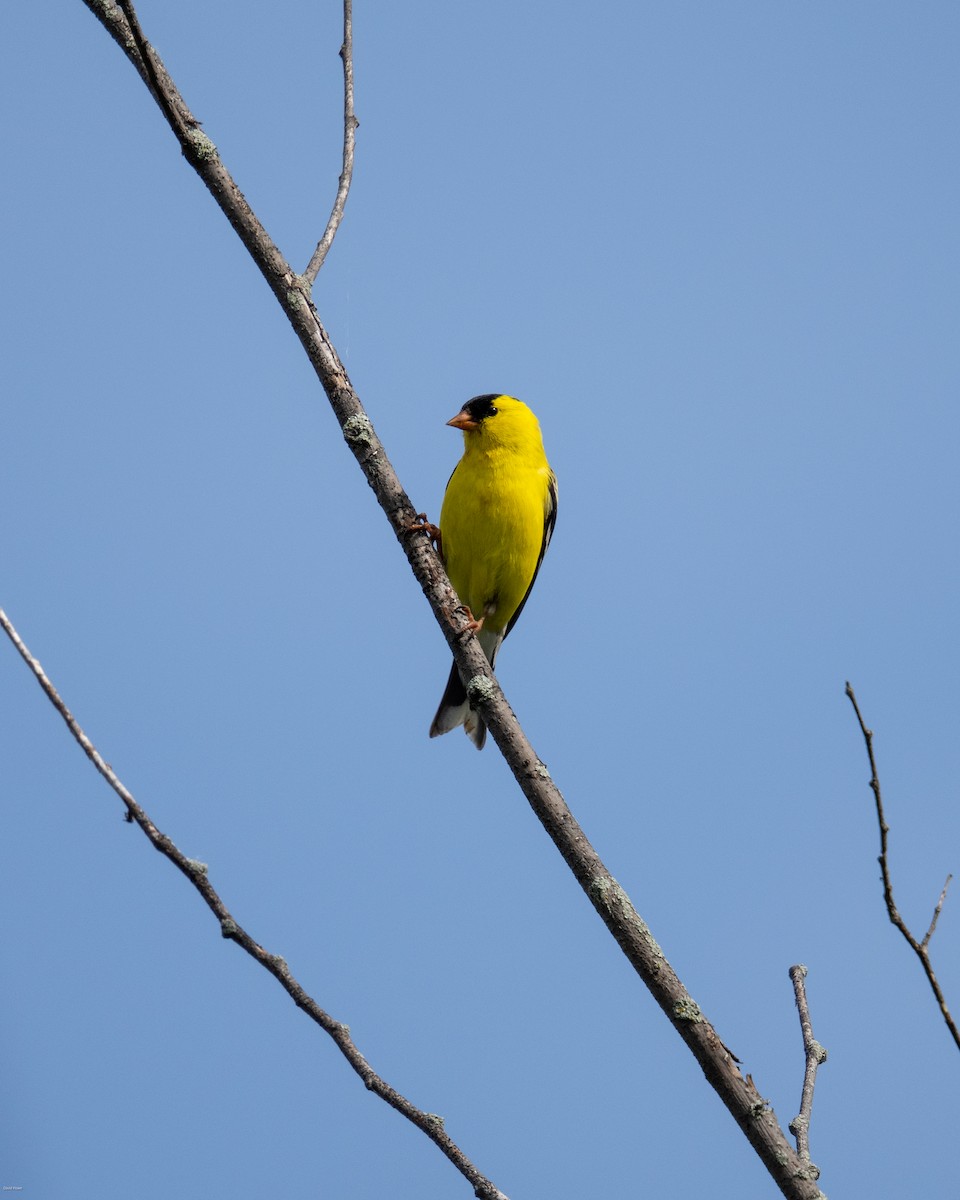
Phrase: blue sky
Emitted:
{"points": [[716, 249]]}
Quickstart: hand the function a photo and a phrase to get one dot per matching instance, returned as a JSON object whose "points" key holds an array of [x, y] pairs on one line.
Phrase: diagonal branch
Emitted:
{"points": [[350, 127], [922, 948], [741, 1097], [196, 872]]}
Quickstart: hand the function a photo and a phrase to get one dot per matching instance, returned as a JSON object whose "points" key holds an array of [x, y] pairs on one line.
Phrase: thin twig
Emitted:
{"points": [[814, 1055], [350, 126], [921, 949], [196, 872], [936, 913]]}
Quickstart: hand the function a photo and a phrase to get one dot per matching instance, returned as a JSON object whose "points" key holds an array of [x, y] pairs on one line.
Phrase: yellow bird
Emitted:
{"points": [[495, 525]]}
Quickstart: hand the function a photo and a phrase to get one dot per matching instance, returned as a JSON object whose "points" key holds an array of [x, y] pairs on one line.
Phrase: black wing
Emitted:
{"points": [[549, 521]]}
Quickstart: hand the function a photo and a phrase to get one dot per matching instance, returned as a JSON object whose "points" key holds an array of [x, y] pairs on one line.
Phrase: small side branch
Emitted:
{"points": [[350, 126], [921, 948], [196, 872], [814, 1054]]}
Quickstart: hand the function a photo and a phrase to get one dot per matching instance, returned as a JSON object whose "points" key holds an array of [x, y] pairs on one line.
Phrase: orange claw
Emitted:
{"points": [[472, 625], [422, 525]]}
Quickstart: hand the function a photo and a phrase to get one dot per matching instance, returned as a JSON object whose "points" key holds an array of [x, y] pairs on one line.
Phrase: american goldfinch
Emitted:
{"points": [[495, 524]]}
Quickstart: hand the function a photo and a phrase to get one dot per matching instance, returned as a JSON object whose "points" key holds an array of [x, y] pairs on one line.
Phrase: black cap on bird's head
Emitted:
{"points": [[475, 411]]}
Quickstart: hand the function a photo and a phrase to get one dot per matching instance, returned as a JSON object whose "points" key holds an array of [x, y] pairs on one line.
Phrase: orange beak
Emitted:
{"points": [[464, 421]]}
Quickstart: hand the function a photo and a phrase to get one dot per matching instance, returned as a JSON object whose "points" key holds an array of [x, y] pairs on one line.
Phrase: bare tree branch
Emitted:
{"points": [[921, 949], [350, 126], [741, 1097], [814, 1055], [196, 872]]}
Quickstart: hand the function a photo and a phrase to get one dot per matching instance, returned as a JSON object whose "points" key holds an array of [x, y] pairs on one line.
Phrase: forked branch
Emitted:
{"points": [[920, 948]]}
